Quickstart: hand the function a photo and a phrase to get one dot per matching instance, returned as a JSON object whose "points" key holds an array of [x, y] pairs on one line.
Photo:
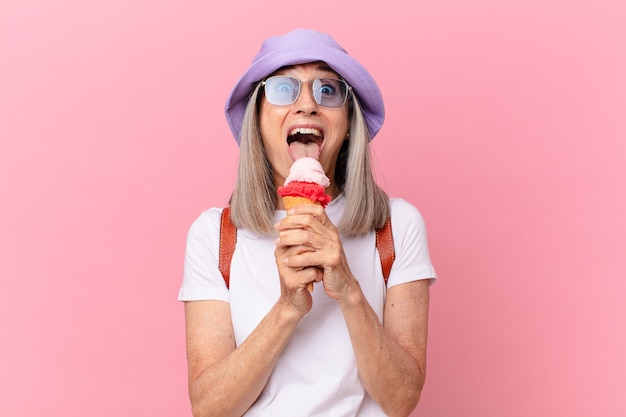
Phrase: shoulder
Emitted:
{"points": [[204, 232], [404, 213], [401, 204], [208, 221]]}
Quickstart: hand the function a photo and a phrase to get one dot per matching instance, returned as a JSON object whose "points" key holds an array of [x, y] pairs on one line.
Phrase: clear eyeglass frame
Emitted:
{"points": [[272, 94]]}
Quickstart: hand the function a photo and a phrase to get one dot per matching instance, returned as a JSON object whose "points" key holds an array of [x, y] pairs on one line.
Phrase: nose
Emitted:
{"points": [[306, 102]]}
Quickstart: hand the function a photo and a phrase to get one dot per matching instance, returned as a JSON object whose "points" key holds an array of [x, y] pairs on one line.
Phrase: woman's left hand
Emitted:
{"points": [[308, 225]]}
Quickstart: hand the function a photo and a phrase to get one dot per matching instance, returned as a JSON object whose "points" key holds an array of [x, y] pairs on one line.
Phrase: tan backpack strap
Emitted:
{"points": [[228, 240], [386, 251]]}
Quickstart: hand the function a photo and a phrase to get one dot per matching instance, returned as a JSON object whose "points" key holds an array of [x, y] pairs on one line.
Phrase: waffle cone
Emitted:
{"points": [[291, 202]]}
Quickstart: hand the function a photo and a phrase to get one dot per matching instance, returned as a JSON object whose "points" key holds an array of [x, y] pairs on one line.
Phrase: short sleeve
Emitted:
{"points": [[412, 261], [202, 279]]}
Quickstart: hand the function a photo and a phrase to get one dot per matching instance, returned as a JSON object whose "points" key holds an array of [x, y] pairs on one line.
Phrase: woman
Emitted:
{"points": [[267, 346]]}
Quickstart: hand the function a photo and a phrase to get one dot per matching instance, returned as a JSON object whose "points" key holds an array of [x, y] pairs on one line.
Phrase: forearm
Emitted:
{"points": [[390, 374], [230, 386]]}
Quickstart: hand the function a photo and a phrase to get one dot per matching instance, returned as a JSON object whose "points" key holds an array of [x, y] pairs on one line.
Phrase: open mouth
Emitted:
{"points": [[306, 136], [305, 142]]}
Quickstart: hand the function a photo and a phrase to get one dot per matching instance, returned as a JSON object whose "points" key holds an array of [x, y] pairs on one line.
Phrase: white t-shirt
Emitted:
{"points": [[316, 373]]}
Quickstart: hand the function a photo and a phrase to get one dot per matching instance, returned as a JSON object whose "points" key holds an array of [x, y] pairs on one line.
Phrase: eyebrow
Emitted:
{"points": [[325, 67]]}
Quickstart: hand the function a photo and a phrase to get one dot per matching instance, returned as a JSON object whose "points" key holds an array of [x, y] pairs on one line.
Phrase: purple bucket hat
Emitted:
{"points": [[301, 46]]}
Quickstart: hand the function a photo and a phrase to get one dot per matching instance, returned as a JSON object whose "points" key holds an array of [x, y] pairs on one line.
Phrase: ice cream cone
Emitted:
{"points": [[292, 201]]}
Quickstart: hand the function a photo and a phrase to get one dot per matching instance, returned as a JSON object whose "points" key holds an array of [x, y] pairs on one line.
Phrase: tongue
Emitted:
{"points": [[299, 150]]}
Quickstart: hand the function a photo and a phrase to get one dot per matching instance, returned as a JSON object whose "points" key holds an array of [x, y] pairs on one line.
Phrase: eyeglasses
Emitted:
{"points": [[328, 92]]}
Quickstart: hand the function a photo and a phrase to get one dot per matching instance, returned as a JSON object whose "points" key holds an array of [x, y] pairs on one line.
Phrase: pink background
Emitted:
{"points": [[505, 127]]}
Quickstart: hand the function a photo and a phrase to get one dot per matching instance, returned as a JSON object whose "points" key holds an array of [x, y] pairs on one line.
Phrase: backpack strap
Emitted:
{"points": [[386, 250], [228, 240]]}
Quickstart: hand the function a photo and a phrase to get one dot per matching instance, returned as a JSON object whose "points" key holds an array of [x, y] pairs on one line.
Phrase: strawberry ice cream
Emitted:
{"points": [[305, 184]]}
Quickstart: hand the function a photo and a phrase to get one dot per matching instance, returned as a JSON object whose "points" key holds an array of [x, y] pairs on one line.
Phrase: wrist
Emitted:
{"points": [[352, 296], [287, 313]]}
